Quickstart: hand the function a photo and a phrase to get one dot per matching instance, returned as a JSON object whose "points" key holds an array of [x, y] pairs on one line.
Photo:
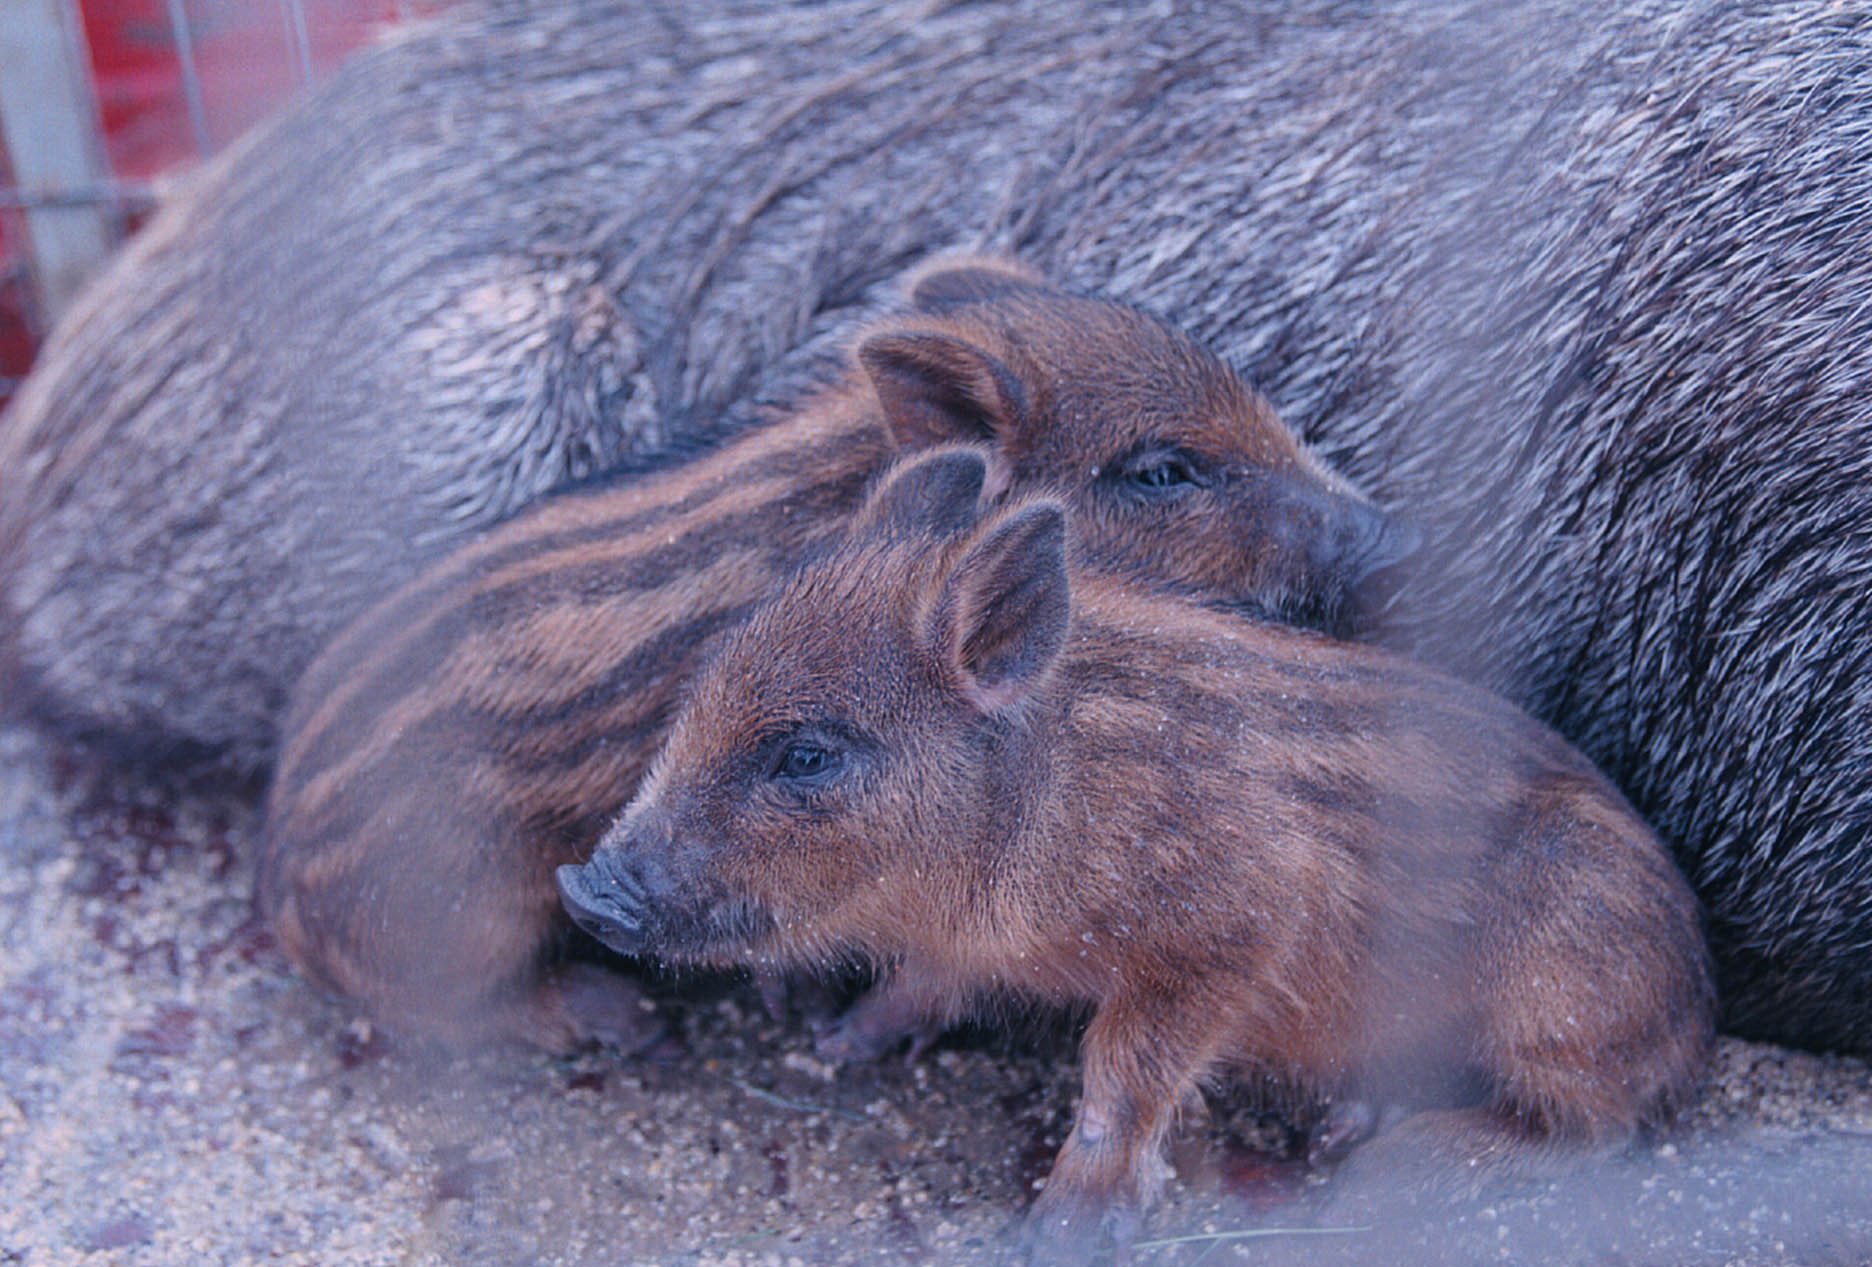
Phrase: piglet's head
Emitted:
{"points": [[840, 775], [1178, 474]]}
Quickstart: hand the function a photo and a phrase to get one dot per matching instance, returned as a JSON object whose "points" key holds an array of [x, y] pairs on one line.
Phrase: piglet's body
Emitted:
{"points": [[479, 727], [1250, 849]]}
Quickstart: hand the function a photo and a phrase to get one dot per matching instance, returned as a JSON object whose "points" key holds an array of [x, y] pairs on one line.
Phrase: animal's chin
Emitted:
{"points": [[721, 934], [1334, 615], [1340, 610]]}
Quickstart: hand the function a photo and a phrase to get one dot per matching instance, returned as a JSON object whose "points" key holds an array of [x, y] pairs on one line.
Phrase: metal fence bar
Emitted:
{"points": [[49, 122], [184, 39], [118, 195], [299, 38]]}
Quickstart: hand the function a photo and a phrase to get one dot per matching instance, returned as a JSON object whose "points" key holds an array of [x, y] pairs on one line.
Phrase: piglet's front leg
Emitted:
{"points": [[1143, 1059], [906, 1004]]}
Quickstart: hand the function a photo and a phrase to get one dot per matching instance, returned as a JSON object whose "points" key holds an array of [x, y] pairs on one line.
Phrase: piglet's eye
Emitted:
{"points": [[807, 763], [1162, 474]]}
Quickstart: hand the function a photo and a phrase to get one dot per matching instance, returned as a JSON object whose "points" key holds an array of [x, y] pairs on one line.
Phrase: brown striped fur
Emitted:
{"points": [[1251, 849], [479, 726]]}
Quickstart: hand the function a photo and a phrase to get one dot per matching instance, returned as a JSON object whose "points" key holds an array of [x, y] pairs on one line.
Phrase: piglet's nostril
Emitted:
{"points": [[605, 901]]}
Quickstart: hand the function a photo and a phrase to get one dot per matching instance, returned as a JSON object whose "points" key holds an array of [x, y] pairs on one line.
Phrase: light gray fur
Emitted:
{"points": [[1585, 293]]}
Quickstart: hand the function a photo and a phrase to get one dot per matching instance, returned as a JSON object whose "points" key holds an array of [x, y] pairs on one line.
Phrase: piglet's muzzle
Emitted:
{"points": [[606, 901]]}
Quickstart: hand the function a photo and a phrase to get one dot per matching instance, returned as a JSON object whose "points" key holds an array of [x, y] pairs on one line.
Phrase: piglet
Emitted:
{"points": [[1249, 849]]}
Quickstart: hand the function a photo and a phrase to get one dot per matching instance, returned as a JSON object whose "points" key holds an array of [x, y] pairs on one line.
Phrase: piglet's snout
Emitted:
{"points": [[608, 900]]}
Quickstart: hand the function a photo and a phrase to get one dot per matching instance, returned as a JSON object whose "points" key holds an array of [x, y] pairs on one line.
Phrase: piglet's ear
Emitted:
{"points": [[971, 279], [1001, 619], [933, 495], [936, 388]]}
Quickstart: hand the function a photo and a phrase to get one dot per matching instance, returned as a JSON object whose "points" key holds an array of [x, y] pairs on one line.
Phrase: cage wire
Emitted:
{"points": [[99, 99]]}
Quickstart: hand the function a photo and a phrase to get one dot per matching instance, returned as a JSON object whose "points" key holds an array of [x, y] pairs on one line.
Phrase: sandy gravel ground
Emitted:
{"points": [[171, 1094]]}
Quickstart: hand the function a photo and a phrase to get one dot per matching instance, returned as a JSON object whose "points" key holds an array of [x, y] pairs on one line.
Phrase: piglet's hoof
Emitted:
{"points": [[589, 1004], [1346, 1125], [1077, 1234], [784, 993], [850, 1040]]}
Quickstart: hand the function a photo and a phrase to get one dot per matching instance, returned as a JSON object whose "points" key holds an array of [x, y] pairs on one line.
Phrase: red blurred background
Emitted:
{"points": [[249, 58]]}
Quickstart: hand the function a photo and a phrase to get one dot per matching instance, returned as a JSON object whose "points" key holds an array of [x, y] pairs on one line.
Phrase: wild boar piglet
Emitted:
{"points": [[481, 725], [1248, 848]]}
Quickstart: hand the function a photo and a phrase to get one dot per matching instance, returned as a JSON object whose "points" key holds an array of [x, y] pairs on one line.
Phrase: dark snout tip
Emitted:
{"points": [[1384, 543], [1398, 540], [602, 905]]}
